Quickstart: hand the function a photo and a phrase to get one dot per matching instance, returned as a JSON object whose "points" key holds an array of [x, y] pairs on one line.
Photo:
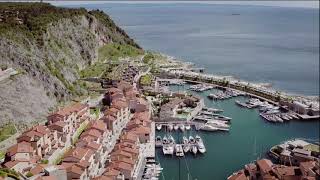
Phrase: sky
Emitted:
{"points": [[292, 3]]}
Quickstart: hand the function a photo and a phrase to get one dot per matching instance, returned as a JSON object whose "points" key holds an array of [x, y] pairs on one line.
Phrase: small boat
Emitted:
{"points": [[165, 140], [158, 126], [186, 146], [179, 150], [182, 127], [175, 127], [158, 141], [208, 127], [200, 144], [171, 140], [194, 149], [191, 140], [188, 127], [167, 149], [170, 127]]}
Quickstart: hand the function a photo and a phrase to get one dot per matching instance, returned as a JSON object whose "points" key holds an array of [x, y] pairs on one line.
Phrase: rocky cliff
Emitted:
{"points": [[48, 46]]}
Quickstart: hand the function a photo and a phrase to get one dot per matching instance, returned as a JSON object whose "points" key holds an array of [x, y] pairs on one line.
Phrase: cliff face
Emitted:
{"points": [[49, 60]]}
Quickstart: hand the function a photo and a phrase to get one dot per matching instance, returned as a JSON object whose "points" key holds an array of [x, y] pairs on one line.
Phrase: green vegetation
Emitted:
{"points": [[2, 155], [55, 69], [94, 70], [29, 174], [146, 80], [95, 111], [116, 34], [312, 147], [44, 161], [148, 58], [5, 172], [6, 131], [33, 18], [114, 51], [78, 132], [108, 56]]}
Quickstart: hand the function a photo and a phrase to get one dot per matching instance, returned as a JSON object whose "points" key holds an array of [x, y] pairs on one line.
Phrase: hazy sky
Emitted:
{"points": [[305, 4]]}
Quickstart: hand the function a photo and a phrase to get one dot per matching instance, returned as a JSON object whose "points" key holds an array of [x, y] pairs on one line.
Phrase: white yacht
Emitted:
{"points": [[168, 149], [191, 140], [175, 127], [171, 140], [208, 127], [186, 146], [165, 140], [194, 149], [170, 127], [182, 127], [201, 147], [188, 127], [179, 150], [158, 126]]}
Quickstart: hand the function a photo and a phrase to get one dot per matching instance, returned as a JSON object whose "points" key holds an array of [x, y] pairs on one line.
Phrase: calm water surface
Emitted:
{"points": [[263, 44], [249, 138]]}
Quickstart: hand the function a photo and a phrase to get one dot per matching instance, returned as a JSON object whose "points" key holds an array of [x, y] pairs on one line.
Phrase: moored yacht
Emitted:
{"points": [[170, 127], [171, 140], [158, 141], [188, 127], [158, 126], [186, 146], [165, 140], [194, 149], [201, 147], [179, 150], [175, 127], [191, 140], [168, 149], [182, 127]]}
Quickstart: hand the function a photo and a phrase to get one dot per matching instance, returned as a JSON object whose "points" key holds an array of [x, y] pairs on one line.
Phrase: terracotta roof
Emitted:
{"points": [[22, 147], [141, 130], [99, 125], [36, 170], [285, 170], [111, 172], [103, 178], [92, 132], [75, 169], [124, 166], [83, 164], [130, 136], [265, 165], [70, 109], [78, 153], [11, 164], [46, 178], [121, 153]]}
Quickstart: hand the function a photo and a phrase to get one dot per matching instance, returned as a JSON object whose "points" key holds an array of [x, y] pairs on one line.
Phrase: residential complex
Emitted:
{"points": [[74, 145]]}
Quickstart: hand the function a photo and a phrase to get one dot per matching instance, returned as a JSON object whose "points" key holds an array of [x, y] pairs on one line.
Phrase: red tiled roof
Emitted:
{"points": [[75, 169], [265, 165], [11, 164], [99, 125], [92, 132], [22, 147], [70, 109]]}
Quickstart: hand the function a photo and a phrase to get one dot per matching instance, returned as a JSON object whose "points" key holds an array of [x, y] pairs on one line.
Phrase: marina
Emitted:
{"points": [[190, 145], [240, 135]]}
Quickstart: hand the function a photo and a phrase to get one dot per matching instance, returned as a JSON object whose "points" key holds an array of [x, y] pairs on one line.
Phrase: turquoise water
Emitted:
{"points": [[230, 151]]}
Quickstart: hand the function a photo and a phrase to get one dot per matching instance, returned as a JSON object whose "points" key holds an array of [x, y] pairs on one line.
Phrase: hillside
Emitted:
{"points": [[50, 47]]}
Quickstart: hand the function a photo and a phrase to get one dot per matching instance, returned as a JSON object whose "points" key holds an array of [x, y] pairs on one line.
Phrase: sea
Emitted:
{"points": [[277, 45]]}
